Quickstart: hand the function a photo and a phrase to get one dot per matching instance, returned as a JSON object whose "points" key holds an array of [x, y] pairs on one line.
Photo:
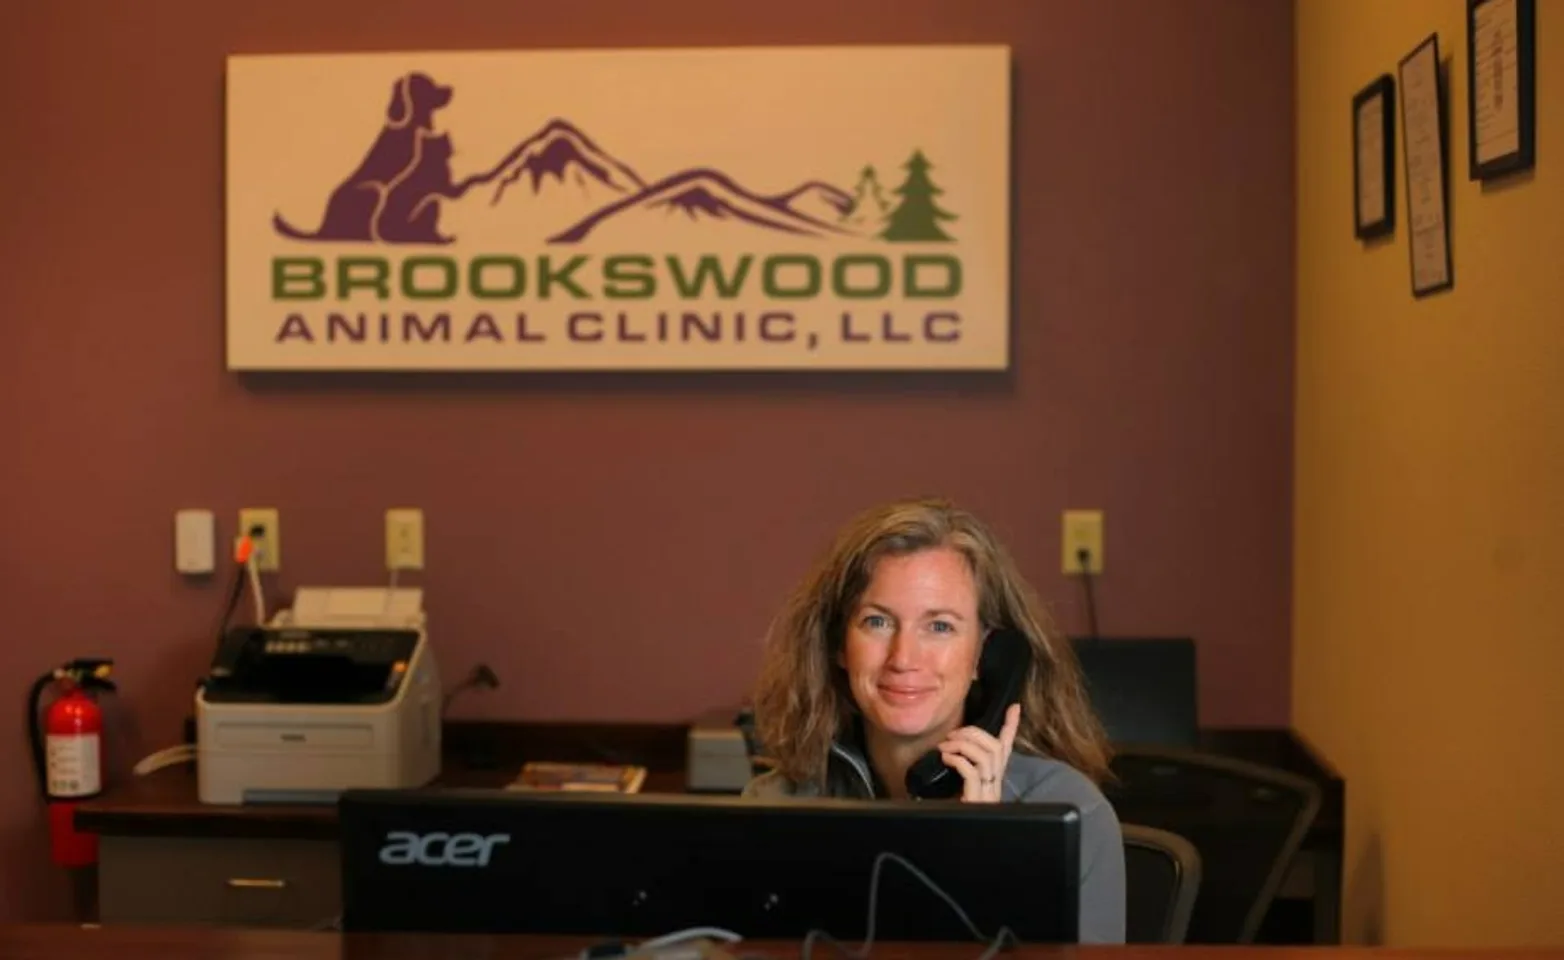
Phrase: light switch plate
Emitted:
{"points": [[195, 541], [404, 539]]}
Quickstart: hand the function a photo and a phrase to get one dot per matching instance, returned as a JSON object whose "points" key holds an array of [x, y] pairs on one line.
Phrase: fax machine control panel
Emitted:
{"points": [[296, 664], [363, 646]]}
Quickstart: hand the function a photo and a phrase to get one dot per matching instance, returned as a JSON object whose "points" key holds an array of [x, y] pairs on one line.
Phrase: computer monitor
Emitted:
{"points": [[645, 865], [1143, 689]]}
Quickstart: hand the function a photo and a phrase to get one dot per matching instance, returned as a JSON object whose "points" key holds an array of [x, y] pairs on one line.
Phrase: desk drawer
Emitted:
{"points": [[225, 881]]}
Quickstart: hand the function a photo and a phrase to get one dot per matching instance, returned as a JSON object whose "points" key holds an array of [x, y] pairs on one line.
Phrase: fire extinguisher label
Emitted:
{"points": [[73, 766]]}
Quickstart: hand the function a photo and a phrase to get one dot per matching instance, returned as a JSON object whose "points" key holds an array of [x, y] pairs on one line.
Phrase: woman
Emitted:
{"points": [[870, 664]]}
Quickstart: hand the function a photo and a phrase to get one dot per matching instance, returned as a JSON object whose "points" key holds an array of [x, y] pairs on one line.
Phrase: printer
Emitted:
{"points": [[341, 691], [721, 751]]}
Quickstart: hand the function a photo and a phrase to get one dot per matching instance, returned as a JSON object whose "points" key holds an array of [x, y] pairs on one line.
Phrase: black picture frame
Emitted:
{"points": [[1524, 156], [1384, 88], [1418, 235]]}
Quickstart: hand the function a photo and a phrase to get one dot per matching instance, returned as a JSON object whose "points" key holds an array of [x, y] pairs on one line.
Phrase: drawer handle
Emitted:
{"points": [[254, 883]]}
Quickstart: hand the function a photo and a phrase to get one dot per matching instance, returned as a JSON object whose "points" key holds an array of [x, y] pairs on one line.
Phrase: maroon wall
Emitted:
{"points": [[614, 545]]}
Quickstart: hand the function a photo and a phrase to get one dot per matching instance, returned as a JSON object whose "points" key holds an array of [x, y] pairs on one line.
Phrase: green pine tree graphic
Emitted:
{"points": [[917, 217], [869, 205]]}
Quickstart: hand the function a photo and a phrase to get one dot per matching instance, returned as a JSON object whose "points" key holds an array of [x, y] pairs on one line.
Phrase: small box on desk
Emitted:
{"points": [[719, 758], [543, 777]]}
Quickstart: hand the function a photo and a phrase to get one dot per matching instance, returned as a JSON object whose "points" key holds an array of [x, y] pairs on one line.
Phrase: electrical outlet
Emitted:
{"points": [[268, 544], [1082, 531], [405, 539]]}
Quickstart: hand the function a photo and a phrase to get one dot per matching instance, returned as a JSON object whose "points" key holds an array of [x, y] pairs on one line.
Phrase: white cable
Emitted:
{"points": [[652, 946], [995, 945], [167, 757], [253, 569], [690, 933], [385, 608], [874, 897]]}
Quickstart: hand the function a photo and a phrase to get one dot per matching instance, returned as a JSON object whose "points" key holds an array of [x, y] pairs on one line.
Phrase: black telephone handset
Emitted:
{"points": [[1002, 672]]}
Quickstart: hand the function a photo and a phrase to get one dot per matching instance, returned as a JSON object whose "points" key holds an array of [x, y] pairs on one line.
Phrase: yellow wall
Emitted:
{"points": [[1429, 567]]}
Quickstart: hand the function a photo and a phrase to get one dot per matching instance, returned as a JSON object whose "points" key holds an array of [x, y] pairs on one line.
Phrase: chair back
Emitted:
{"points": [[1162, 879], [1247, 822]]}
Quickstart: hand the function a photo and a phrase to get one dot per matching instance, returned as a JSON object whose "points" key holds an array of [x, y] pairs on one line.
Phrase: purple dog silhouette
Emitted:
{"points": [[393, 196]]}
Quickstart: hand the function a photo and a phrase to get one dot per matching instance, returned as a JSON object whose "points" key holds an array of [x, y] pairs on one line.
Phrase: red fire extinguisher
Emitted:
{"points": [[67, 747]]}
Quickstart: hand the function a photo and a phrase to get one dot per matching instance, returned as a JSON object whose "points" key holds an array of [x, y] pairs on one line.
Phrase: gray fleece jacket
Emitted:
{"points": [[1028, 779]]}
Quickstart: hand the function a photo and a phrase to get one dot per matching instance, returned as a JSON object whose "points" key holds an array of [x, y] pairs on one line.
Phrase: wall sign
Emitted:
{"points": [[1426, 139], [1501, 99], [1374, 159], [746, 208]]}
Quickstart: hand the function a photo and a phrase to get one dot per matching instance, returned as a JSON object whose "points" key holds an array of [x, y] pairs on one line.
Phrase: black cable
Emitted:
{"points": [[481, 677], [1086, 580], [35, 742], [222, 625], [994, 946], [240, 571], [233, 602]]}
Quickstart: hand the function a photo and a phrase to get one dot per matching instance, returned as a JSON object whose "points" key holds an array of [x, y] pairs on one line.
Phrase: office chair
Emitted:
{"points": [[1247, 822], [1162, 881]]}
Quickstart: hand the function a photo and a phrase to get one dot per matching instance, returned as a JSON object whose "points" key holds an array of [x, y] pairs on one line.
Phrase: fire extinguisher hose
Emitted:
{"points": [[35, 730]]}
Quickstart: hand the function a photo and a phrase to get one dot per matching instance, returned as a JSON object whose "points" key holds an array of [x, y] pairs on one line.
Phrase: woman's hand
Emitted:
{"points": [[981, 758]]}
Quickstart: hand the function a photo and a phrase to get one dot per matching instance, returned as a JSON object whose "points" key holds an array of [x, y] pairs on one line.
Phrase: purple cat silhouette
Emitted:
{"points": [[393, 195]]}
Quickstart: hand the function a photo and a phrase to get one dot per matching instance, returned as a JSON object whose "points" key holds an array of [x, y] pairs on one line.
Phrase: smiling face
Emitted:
{"points": [[912, 644]]}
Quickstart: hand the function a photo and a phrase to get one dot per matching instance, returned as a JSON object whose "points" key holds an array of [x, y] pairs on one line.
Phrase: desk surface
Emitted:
{"points": [[165, 803], [477, 754], [50, 942]]}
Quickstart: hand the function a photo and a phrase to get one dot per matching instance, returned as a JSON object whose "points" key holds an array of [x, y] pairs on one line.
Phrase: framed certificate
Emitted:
{"points": [[1374, 159], [1425, 135], [1501, 110]]}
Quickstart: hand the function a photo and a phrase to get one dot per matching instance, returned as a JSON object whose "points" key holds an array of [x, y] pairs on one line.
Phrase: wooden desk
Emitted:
{"points": [[167, 804], [40, 942], [167, 858], [276, 866]]}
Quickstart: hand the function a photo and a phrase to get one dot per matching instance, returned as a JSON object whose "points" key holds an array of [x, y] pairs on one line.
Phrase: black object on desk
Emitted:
{"points": [[645, 865], [1143, 689], [314, 666]]}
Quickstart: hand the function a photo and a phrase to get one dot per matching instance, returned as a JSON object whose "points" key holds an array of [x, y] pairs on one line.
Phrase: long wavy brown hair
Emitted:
{"points": [[802, 701]]}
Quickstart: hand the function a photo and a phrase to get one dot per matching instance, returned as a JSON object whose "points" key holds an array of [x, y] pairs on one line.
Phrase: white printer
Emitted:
{"points": [[342, 691]]}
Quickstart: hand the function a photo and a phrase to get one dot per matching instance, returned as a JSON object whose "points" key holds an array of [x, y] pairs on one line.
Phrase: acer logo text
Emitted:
{"points": [[439, 849]]}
